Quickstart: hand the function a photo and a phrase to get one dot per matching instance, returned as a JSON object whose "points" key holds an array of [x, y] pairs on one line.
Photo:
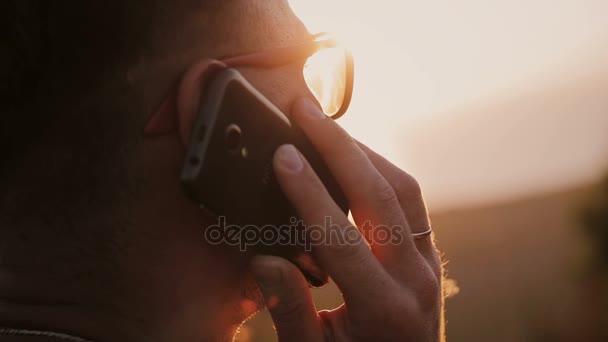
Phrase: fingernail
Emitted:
{"points": [[310, 109], [290, 159]]}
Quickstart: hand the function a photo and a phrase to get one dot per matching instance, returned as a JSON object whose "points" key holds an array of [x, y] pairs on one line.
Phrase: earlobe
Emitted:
{"points": [[189, 94]]}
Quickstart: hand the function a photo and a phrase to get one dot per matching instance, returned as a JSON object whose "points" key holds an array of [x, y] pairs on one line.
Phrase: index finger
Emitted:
{"points": [[372, 199], [348, 259]]}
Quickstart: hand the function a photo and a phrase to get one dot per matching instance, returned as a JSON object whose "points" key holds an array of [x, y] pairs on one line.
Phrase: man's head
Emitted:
{"points": [[88, 205]]}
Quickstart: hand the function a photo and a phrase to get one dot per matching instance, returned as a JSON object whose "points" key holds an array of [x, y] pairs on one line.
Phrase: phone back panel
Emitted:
{"points": [[238, 183]]}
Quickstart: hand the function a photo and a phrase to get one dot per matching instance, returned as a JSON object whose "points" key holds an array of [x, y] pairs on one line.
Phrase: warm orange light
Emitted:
{"points": [[423, 68], [325, 74]]}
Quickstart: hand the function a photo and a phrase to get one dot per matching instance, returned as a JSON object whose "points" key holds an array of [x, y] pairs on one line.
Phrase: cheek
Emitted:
{"points": [[282, 86]]}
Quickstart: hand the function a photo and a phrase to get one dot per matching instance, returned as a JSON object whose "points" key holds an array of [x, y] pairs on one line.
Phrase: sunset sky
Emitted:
{"points": [[480, 100]]}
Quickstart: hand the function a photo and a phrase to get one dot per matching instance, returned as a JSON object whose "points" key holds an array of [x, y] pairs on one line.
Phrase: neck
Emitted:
{"points": [[159, 281], [39, 303], [163, 310]]}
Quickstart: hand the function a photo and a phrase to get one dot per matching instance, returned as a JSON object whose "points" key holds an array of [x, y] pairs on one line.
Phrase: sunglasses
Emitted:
{"points": [[328, 72]]}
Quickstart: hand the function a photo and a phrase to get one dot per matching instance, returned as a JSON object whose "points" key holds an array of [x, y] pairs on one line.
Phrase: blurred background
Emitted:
{"points": [[500, 109]]}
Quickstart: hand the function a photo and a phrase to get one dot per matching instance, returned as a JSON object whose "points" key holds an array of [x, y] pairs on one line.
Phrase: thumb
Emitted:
{"points": [[288, 299]]}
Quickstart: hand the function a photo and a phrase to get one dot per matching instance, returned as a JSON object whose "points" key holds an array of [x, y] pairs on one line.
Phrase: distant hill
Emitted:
{"points": [[527, 140], [518, 266]]}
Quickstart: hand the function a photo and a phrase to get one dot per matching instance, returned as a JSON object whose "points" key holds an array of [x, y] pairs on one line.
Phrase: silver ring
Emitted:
{"points": [[423, 234]]}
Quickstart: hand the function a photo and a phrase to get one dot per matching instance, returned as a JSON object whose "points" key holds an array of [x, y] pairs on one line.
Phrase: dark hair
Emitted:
{"points": [[71, 114], [57, 57], [54, 55], [64, 171], [23, 43]]}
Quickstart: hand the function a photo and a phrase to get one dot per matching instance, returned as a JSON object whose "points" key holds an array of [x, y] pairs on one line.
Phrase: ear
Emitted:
{"points": [[179, 109]]}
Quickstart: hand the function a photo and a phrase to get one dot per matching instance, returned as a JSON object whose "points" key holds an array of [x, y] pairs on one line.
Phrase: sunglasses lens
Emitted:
{"points": [[326, 73]]}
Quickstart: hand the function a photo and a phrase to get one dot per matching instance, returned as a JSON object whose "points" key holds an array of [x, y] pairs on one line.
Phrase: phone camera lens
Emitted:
{"points": [[233, 137]]}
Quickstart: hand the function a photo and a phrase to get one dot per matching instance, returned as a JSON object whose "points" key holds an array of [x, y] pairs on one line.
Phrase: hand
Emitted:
{"points": [[392, 291]]}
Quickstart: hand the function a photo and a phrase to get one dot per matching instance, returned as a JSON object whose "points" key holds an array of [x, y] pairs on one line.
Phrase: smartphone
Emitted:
{"points": [[228, 169]]}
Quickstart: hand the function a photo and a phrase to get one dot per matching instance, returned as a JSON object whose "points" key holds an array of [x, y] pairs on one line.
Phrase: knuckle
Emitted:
{"points": [[406, 312], [343, 250], [288, 309], [432, 256], [342, 135], [284, 304], [385, 193], [348, 247], [428, 290], [331, 139], [408, 186], [436, 265]]}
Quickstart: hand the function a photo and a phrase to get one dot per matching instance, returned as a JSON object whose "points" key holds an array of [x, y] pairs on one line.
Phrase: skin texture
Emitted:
{"points": [[170, 286], [391, 291]]}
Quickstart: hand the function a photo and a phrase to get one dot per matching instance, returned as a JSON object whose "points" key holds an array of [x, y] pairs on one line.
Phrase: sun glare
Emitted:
{"points": [[325, 74], [379, 68], [422, 67]]}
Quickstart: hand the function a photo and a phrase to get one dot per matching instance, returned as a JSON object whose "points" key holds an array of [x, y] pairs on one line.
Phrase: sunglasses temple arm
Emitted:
{"points": [[272, 58]]}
